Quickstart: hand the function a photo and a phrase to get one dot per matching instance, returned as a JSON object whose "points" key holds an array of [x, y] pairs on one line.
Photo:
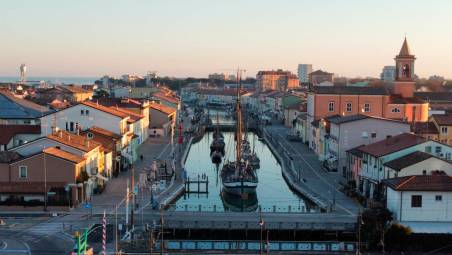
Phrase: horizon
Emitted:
{"points": [[195, 38]]}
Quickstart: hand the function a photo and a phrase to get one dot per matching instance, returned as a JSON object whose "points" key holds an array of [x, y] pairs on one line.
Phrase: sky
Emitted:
{"points": [[196, 37]]}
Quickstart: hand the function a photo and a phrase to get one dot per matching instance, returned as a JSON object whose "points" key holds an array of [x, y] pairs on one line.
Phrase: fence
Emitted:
{"points": [[221, 209]]}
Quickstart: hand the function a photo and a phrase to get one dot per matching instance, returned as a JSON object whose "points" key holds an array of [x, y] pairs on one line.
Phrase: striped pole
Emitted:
{"points": [[104, 235]]}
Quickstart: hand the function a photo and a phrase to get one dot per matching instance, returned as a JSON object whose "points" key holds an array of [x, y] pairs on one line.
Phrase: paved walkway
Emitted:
{"points": [[326, 184]]}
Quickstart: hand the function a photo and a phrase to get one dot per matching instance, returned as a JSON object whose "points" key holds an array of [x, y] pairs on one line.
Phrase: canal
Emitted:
{"points": [[272, 194]]}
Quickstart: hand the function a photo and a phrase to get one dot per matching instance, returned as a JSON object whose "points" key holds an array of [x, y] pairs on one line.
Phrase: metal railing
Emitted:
{"points": [[221, 209]]}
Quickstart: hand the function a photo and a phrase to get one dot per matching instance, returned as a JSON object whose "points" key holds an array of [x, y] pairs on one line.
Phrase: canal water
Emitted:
{"points": [[272, 194]]}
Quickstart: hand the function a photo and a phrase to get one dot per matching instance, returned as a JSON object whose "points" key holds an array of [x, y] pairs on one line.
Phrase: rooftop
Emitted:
{"points": [[163, 108], [434, 96], [320, 72], [443, 119], [392, 144], [408, 160], [9, 131], [103, 132], [109, 110], [166, 97], [133, 115], [344, 90], [398, 99], [339, 119], [80, 142], [420, 183], [64, 155], [425, 128], [405, 50], [17, 108]]}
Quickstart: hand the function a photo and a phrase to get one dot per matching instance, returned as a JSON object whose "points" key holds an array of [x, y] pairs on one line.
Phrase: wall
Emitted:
{"points": [[393, 202], [429, 165], [431, 209], [358, 102]]}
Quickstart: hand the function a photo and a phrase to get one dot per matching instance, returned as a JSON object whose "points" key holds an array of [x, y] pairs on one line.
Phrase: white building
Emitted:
{"points": [[303, 72], [388, 73], [420, 198], [417, 163]]}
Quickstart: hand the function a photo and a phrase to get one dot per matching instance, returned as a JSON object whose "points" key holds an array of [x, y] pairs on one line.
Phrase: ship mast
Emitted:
{"points": [[239, 126]]}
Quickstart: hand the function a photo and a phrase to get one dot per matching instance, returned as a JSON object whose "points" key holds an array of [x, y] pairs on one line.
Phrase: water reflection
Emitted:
{"points": [[235, 203]]}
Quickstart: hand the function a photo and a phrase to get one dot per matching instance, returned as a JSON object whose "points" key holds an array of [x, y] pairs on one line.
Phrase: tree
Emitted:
{"points": [[375, 223], [397, 237], [101, 94]]}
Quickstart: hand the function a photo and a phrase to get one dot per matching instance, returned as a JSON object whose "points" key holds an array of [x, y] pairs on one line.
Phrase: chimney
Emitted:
{"points": [[387, 139]]}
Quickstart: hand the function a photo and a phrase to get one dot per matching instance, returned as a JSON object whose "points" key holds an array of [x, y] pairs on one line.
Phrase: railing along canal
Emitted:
{"points": [[221, 209]]}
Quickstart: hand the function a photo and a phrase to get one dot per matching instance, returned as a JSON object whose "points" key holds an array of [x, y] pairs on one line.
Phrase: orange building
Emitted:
{"points": [[324, 101], [276, 80]]}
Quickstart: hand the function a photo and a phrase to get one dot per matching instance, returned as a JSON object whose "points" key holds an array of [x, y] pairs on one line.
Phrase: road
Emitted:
{"points": [[326, 184]]}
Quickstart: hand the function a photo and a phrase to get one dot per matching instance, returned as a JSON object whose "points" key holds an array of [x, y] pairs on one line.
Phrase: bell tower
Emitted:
{"points": [[404, 79]]}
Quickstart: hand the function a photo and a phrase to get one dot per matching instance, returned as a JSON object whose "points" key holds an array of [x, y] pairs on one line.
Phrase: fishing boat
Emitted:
{"points": [[239, 177], [234, 203], [218, 143]]}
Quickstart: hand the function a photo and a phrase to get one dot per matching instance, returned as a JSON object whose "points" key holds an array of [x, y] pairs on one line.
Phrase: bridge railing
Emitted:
{"points": [[221, 209], [326, 246]]}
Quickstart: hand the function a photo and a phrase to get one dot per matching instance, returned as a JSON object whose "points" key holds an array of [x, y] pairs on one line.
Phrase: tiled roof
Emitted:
{"points": [[355, 151], [392, 144], [167, 98], [443, 119], [120, 102], [75, 89], [109, 110], [17, 108], [80, 142], [133, 115], [435, 96], [64, 155], [344, 90], [7, 132], [101, 131], [408, 160], [425, 128], [339, 119], [163, 108], [9, 156], [420, 183]]}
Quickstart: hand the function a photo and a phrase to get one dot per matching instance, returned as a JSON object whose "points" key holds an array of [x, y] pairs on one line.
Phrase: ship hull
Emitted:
{"points": [[239, 187]]}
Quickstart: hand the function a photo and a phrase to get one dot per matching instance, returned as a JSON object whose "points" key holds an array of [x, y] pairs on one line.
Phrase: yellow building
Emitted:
{"points": [[444, 125]]}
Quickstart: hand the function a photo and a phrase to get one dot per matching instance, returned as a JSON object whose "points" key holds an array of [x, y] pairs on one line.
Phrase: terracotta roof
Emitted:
{"points": [[355, 151], [9, 156], [80, 142], [339, 119], [420, 183], [443, 120], [392, 144], [163, 108], [120, 102], [9, 131], [408, 160], [425, 128], [133, 115], [103, 132], [105, 109], [405, 50], [347, 90], [64, 155], [165, 97]]}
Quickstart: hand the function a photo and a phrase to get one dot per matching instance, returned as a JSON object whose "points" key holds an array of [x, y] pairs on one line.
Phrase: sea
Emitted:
{"points": [[53, 80]]}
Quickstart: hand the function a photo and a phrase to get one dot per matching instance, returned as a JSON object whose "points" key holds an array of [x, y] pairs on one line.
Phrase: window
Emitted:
{"points": [[444, 130], [438, 149], [27, 121], [86, 112], [82, 112], [331, 106], [428, 149], [23, 171], [395, 110], [416, 201], [71, 126], [67, 127], [438, 198], [373, 135], [424, 172], [448, 155], [349, 107], [366, 107]]}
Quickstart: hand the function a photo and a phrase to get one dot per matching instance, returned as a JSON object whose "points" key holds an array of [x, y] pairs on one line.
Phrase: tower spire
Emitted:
{"points": [[405, 50]]}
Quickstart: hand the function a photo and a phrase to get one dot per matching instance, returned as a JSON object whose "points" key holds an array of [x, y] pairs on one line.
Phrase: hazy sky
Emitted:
{"points": [[196, 37]]}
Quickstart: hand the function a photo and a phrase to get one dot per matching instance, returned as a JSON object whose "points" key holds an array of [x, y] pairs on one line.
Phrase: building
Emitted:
{"points": [[318, 77], [438, 101], [347, 132], [371, 169], [19, 111], [276, 80], [78, 146], [417, 163], [303, 72], [443, 124], [427, 130], [69, 93], [291, 113], [420, 199], [14, 135], [163, 119], [26, 180], [388, 74], [217, 76]]}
